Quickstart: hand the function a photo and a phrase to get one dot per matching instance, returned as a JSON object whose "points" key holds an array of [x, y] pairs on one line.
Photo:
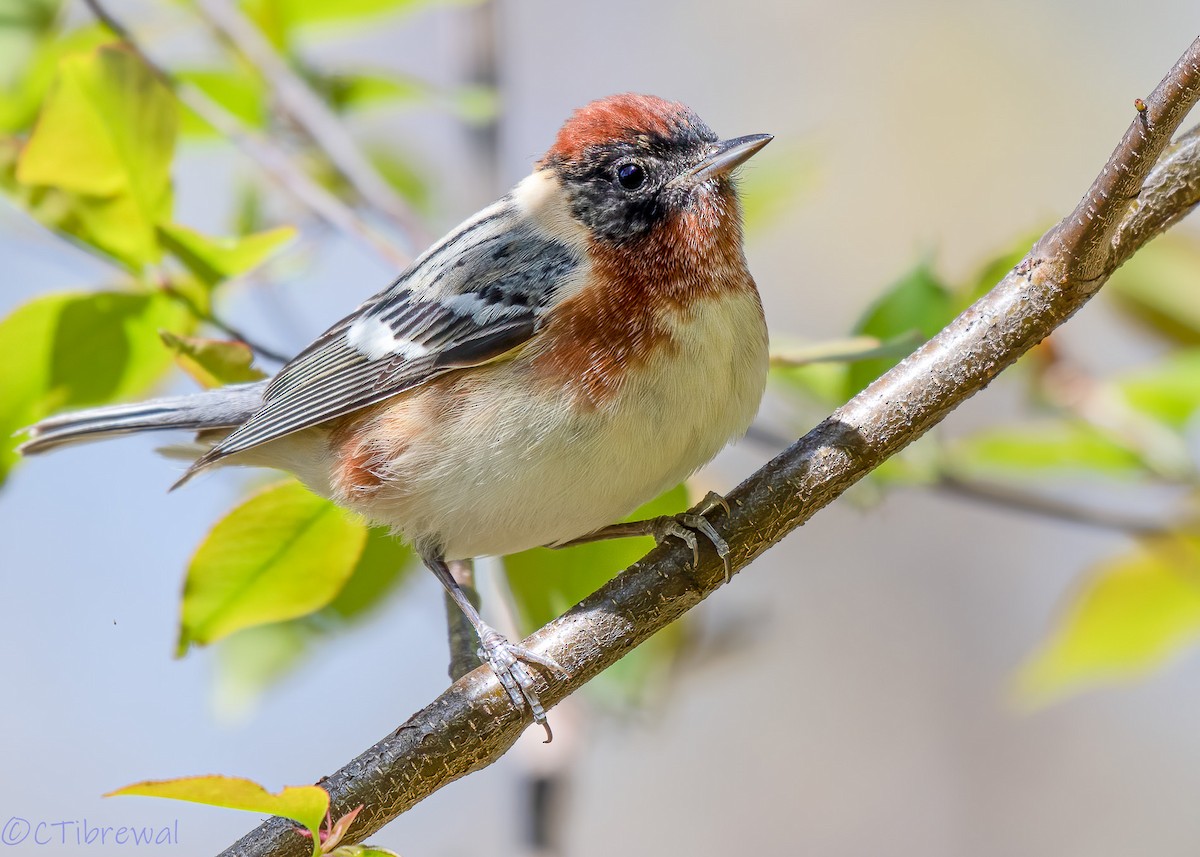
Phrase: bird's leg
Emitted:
{"points": [[460, 633], [496, 651], [683, 526]]}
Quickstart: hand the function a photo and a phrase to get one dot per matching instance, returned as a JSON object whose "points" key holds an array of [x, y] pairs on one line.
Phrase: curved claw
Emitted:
{"points": [[506, 661], [685, 526]]}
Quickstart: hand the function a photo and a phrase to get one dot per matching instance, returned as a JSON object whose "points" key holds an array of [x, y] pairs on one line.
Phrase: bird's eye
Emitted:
{"points": [[630, 176]]}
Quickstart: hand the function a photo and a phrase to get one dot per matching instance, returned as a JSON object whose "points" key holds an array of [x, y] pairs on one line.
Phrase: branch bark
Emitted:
{"points": [[472, 724]]}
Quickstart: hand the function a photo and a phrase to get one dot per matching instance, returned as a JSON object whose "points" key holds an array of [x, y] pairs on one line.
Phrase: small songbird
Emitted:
{"points": [[557, 360]]}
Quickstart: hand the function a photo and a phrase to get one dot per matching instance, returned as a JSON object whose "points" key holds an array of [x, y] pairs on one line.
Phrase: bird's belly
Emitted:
{"points": [[488, 463]]}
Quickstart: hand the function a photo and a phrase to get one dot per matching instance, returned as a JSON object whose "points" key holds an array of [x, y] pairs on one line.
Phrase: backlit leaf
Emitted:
{"points": [[279, 18], [281, 554], [213, 362], [69, 350], [304, 804], [1134, 613], [216, 259], [918, 303], [236, 90], [383, 565], [1168, 391], [1159, 286], [31, 45], [107, 134], [1056, 447], [252, 660]]}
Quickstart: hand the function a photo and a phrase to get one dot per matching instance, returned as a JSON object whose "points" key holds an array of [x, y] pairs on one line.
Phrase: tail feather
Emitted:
{"points": [[225, 407]]}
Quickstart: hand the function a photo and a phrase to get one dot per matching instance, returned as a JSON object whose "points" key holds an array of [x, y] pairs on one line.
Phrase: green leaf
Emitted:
{"points": [[238, 90], [919, 302], [1168, 391], [252, 660], [996, 269], [304, 804], [361, 851], [279, 19], [1136, 612], [475, 105], [1158, 285], [107, 134], [30, 48], [383, 565], [216, 259], [297, 13], [366, 89], [213, 362], [545, 583], [75, 349], [824, 382], [411, 181], [281, 554], [1056, 447]]}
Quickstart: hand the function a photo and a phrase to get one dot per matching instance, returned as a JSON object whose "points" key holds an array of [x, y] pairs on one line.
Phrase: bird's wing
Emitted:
{"points": [[477, 294]]}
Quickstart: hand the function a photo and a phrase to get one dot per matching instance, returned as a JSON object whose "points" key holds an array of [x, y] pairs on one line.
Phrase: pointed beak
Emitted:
{"points": [[724, 157]]}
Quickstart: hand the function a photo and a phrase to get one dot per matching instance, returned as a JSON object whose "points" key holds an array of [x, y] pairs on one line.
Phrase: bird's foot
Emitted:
{"points": [[686, 525], [508, 663]]}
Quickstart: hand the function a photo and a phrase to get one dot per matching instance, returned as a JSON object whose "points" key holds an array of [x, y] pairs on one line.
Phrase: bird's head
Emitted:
{"points": [[630, 163]]}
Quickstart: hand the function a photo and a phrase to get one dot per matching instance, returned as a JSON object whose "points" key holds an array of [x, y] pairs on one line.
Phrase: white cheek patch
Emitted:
{"points": [[373, 339]]}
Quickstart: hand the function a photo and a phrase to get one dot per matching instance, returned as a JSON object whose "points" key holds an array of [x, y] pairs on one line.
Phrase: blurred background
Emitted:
{"points": [[871, 685]]}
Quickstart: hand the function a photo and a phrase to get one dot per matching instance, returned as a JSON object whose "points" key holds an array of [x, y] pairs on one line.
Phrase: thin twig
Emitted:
{"points": [[276, 163], [209, 316], [846, 350], [312, 115], [1048, 507], [473, 723]]}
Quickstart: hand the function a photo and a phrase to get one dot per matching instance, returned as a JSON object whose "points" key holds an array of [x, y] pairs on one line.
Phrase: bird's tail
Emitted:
{"points": [[225, 407]]}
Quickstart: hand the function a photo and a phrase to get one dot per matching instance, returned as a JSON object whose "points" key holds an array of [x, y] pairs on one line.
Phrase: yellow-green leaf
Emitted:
{"points": [[1158, 285], [237, 90], [251, 661], [1168, 391], [213, 362], [74, 349], [1134, 613], [31, 44], [918, 303], [278, 18], [216, 259], [304, 804], [107, 134], [281, 554], [1056, 447]]}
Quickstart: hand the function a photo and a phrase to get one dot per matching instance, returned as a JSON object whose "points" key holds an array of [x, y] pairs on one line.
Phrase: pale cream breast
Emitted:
{"points": [[488, 462]]}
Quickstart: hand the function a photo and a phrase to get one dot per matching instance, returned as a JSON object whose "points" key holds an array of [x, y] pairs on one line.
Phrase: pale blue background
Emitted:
{"points": [[863, 707]]}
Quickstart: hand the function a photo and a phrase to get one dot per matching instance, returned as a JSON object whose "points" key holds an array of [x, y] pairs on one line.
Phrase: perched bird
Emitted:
{"points": [[560, 358]]}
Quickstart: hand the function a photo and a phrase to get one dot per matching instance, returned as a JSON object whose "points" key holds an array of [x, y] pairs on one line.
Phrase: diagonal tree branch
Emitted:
{"points": [[472, 724]]}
